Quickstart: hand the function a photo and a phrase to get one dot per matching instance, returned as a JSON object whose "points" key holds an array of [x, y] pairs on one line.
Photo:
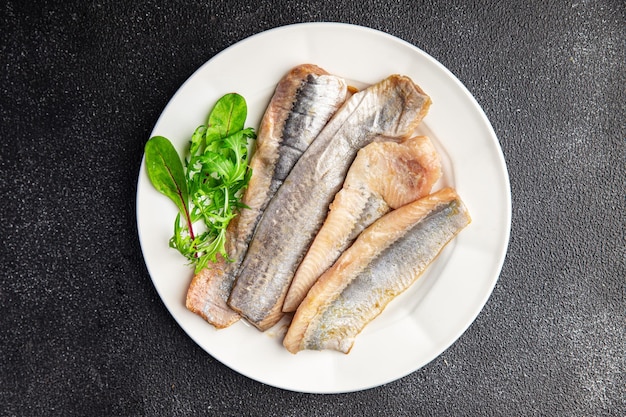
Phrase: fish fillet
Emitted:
{"points": [[384, 176], [391, 108], [383, 262], [303, 103]]}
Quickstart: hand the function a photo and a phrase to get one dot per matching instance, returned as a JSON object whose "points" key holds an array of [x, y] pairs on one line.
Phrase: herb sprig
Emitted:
{"points": [[207, 189]]}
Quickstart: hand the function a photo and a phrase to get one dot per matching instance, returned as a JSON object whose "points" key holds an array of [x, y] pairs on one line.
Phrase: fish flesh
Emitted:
{"points": [[384, 176], [302, 104], [390, 109], [383, 262]]}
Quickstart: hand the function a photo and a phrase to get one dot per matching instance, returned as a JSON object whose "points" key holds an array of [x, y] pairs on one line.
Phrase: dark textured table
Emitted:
{"points": [[83, 329]]}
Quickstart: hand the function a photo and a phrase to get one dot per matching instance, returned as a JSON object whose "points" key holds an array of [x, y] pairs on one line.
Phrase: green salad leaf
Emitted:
{"points": [[166, 172], [208, 189]]}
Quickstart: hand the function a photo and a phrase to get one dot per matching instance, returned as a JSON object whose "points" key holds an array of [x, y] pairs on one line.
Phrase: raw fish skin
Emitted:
{"points": [[303, 102], [390, 109], [385, 260], [384, 176]]}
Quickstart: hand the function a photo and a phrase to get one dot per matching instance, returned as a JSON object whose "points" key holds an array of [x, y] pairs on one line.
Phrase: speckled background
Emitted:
{"points": [[83, 331]]}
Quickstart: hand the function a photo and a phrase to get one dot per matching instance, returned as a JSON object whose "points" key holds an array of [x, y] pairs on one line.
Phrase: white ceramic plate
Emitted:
{"points": [[426, 319]]}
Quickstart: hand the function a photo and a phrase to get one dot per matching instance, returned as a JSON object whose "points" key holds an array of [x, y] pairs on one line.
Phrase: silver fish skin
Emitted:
{"points": [[385, 260], [390, 109], [302, 104]]}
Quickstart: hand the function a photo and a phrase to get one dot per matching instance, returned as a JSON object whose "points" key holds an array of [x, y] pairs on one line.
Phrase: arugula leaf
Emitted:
{"points": [[197, 140]]}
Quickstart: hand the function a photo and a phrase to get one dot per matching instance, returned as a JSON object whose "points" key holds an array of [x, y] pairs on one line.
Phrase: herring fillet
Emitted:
{"points": [[303, 102], [384, 176], [390, 109], [383, 262]]}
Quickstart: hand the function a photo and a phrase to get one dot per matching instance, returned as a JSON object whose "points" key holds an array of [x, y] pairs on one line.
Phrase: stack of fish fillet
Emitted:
{"points": [[341, 216]]}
